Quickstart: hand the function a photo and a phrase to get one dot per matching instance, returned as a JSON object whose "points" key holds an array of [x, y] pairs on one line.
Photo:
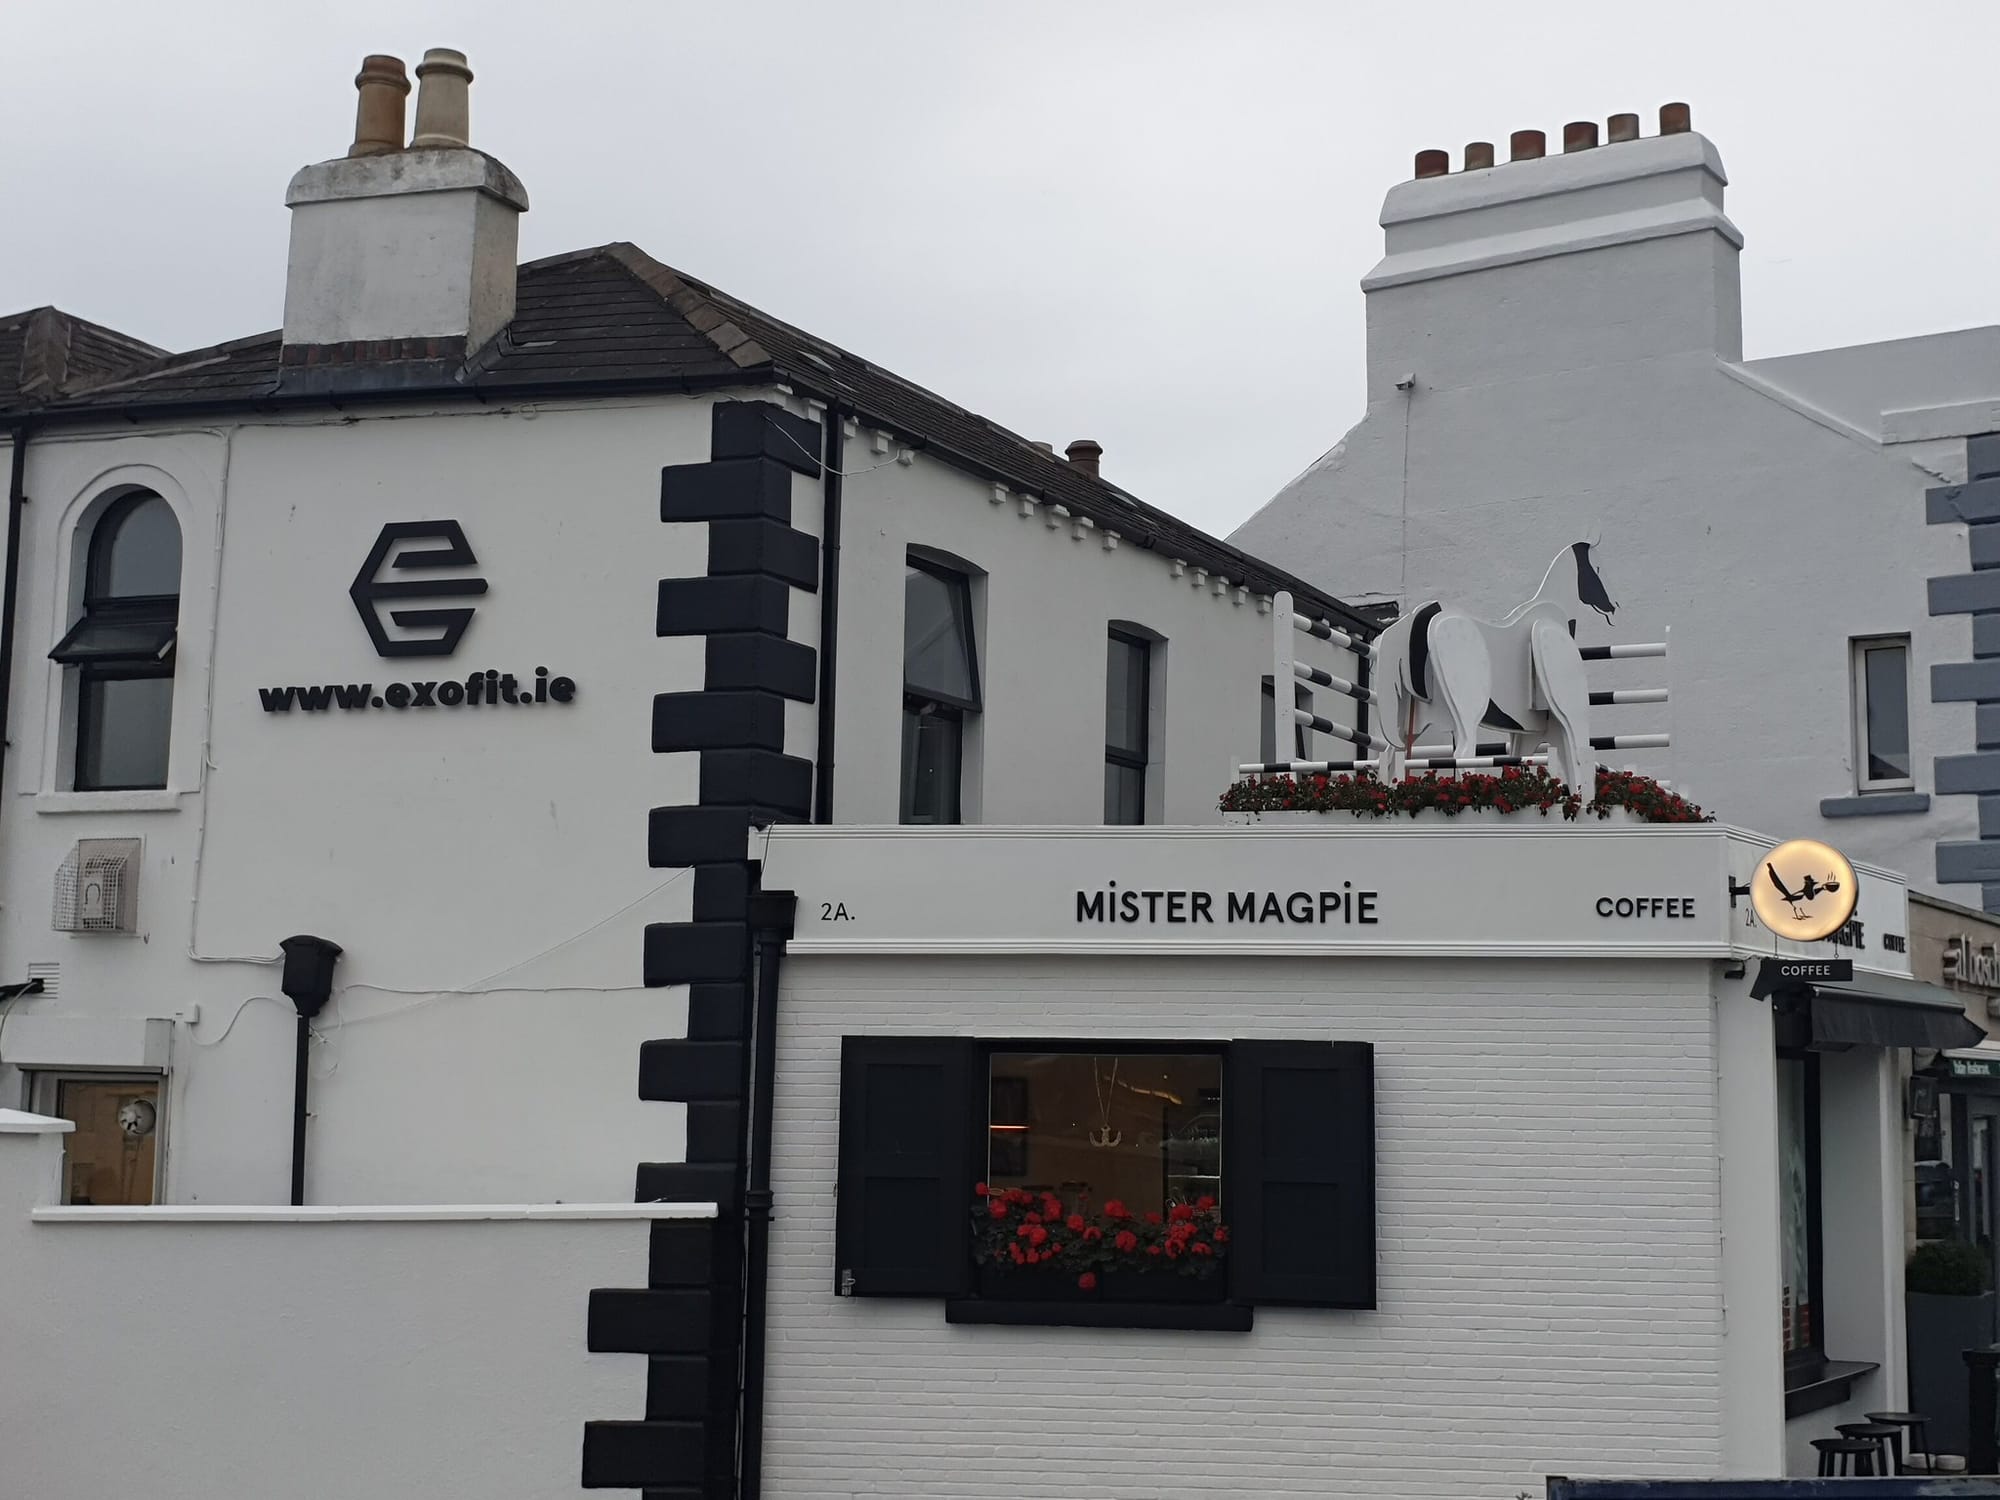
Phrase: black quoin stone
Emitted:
{"points": [[718, 1012], [677, 952], [735, 489], [703, 606], [715, 1131], [690, 1182], [632, 1455], [721, 891], [676, 1069], [757, 778], [752, 659], [674, 1321], [718, 721], [767, 547], [697, 836], [681, 1253], [763, 429]]}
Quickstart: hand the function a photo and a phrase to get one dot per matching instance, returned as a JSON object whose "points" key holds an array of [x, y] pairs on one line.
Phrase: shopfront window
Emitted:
{"points": [[1144, 1130], [1799, 1203]]}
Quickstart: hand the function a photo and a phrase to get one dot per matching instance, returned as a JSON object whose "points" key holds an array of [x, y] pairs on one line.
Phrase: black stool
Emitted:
{"points": [[1880, 1434], [1919, 1426], [1853, 1456]]}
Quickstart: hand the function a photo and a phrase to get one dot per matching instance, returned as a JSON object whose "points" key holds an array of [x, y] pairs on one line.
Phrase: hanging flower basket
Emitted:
{"points": [[1036, 1244], [1512, 792]]}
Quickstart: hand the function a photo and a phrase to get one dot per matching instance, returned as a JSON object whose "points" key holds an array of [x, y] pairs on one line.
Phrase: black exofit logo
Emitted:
{"points": [[491, 688], [374, 596], [371, 592]]}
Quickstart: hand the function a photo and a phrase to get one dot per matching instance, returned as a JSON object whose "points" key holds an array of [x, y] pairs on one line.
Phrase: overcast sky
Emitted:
{"points": [[1141, 223]]}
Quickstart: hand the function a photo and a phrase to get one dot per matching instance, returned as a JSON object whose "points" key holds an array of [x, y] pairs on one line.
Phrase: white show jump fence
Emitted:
{"points": [[1286, 667]]}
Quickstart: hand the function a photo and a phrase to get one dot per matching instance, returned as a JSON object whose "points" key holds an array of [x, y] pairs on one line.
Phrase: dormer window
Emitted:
{"points": [[122, 646]]}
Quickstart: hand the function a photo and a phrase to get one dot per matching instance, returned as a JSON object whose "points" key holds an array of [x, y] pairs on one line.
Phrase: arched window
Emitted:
{"points": [[123, 646]]}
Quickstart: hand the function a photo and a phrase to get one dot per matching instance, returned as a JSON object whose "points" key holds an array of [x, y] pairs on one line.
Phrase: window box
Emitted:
{"points": [[1112, 1286], [1212, 1317]]}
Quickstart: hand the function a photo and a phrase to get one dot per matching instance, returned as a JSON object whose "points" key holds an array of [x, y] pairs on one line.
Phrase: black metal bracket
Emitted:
{"points": [[1736, 890], [26, 987]]}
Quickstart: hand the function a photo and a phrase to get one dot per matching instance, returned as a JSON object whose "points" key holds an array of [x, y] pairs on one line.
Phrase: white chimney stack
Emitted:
{"points": [[1616, 248], [402, 253]]}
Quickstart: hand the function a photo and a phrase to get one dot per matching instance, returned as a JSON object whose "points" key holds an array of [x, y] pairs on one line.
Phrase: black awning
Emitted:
{"points": [[1878, 1011]]}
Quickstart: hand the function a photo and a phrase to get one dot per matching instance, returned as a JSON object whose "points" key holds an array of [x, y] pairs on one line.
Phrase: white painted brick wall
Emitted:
{"points": [[1548, 1237]]}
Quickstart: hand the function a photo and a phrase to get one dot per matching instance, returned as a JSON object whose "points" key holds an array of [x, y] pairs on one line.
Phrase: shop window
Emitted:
{"points": [[1882, 714], [112, 1157], [1259, 1153], [122, 646], [1127, 728], [940, 689], [1799, 1216]]}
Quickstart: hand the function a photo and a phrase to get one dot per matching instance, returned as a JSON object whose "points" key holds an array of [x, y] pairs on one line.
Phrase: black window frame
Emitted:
{"points": [[1807, 1365], [952, 1158], [153, 618], [1116, 756], [948, 708]]}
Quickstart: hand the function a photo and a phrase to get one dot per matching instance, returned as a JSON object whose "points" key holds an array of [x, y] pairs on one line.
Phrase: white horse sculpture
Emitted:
{"points": [[1436, 666]]}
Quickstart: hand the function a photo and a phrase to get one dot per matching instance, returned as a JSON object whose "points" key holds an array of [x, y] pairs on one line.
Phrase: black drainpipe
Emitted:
{"points": [[829, 611], [17, 500], [771, 914]]}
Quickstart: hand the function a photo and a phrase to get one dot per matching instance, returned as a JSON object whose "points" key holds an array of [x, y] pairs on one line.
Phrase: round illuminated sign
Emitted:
{"points": [[1804, 890]]}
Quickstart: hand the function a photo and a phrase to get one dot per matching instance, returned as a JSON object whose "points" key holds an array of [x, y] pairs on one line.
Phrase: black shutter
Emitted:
{"points": [[907, 1117], [1298, 1139]]}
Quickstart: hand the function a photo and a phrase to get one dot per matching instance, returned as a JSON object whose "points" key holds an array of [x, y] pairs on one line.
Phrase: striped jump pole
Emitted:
{"points": [[1320, 678], [1622, 653], [1338, 731], [1321, 630], [1284, 671], [1432, 763]]}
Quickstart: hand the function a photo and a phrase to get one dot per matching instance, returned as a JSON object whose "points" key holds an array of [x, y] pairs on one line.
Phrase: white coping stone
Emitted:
{"points": [[317, 1213], [20, 1122]]}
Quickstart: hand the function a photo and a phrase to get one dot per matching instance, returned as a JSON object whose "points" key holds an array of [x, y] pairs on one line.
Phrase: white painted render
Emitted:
{"points": [[1548, 1223], [1576, 1153], [487, 875], [353, 1356], [1571, 331]]}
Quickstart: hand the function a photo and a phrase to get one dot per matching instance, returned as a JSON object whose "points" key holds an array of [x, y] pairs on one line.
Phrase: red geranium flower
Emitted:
{"points": [[1152, 1218], [996, 1209], [1180, 1212], [1033, 1257], [1114, 1208], [1222, 1234], [1037, 1235], [1075, 1223], [979, 1189], [1015, 1251], [1092, 1233], [1199, 1248], [1031, 1218], [1126, 1241], [1088, 1281], [1173, 1249], [1152, 1249], [1204, 1203]]}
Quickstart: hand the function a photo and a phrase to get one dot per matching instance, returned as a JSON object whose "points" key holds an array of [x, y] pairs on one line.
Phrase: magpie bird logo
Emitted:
{"points": [[374, 595], [1809, 891]]}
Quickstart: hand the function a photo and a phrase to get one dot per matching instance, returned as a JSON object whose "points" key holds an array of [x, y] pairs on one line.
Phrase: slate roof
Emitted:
{"points": [[46, 353], [612, 318]]}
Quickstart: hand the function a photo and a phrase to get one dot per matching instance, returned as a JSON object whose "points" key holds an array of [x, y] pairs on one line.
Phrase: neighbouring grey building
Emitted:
{"points": [[1555, 345]]}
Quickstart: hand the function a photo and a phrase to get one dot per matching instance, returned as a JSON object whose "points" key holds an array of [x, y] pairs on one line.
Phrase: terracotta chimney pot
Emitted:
{"points": [[1433, 163], [1579, 135], [378, 113], [1622, 128], [1676, 119], [444, 107], [1085, 455], [1522, 145], [1478, 155]]}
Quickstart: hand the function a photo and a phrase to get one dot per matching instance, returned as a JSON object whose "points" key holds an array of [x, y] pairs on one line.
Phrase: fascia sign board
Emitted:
{"points": [[1579, 891], [1575, 891]]}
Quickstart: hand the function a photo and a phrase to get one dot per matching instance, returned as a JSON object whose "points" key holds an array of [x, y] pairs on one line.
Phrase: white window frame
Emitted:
{"points": [[43, 1092], [1857, 666]]}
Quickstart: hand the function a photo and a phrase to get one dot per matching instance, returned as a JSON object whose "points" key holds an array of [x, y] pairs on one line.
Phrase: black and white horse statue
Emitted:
{"points": [[1437, 667]]}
